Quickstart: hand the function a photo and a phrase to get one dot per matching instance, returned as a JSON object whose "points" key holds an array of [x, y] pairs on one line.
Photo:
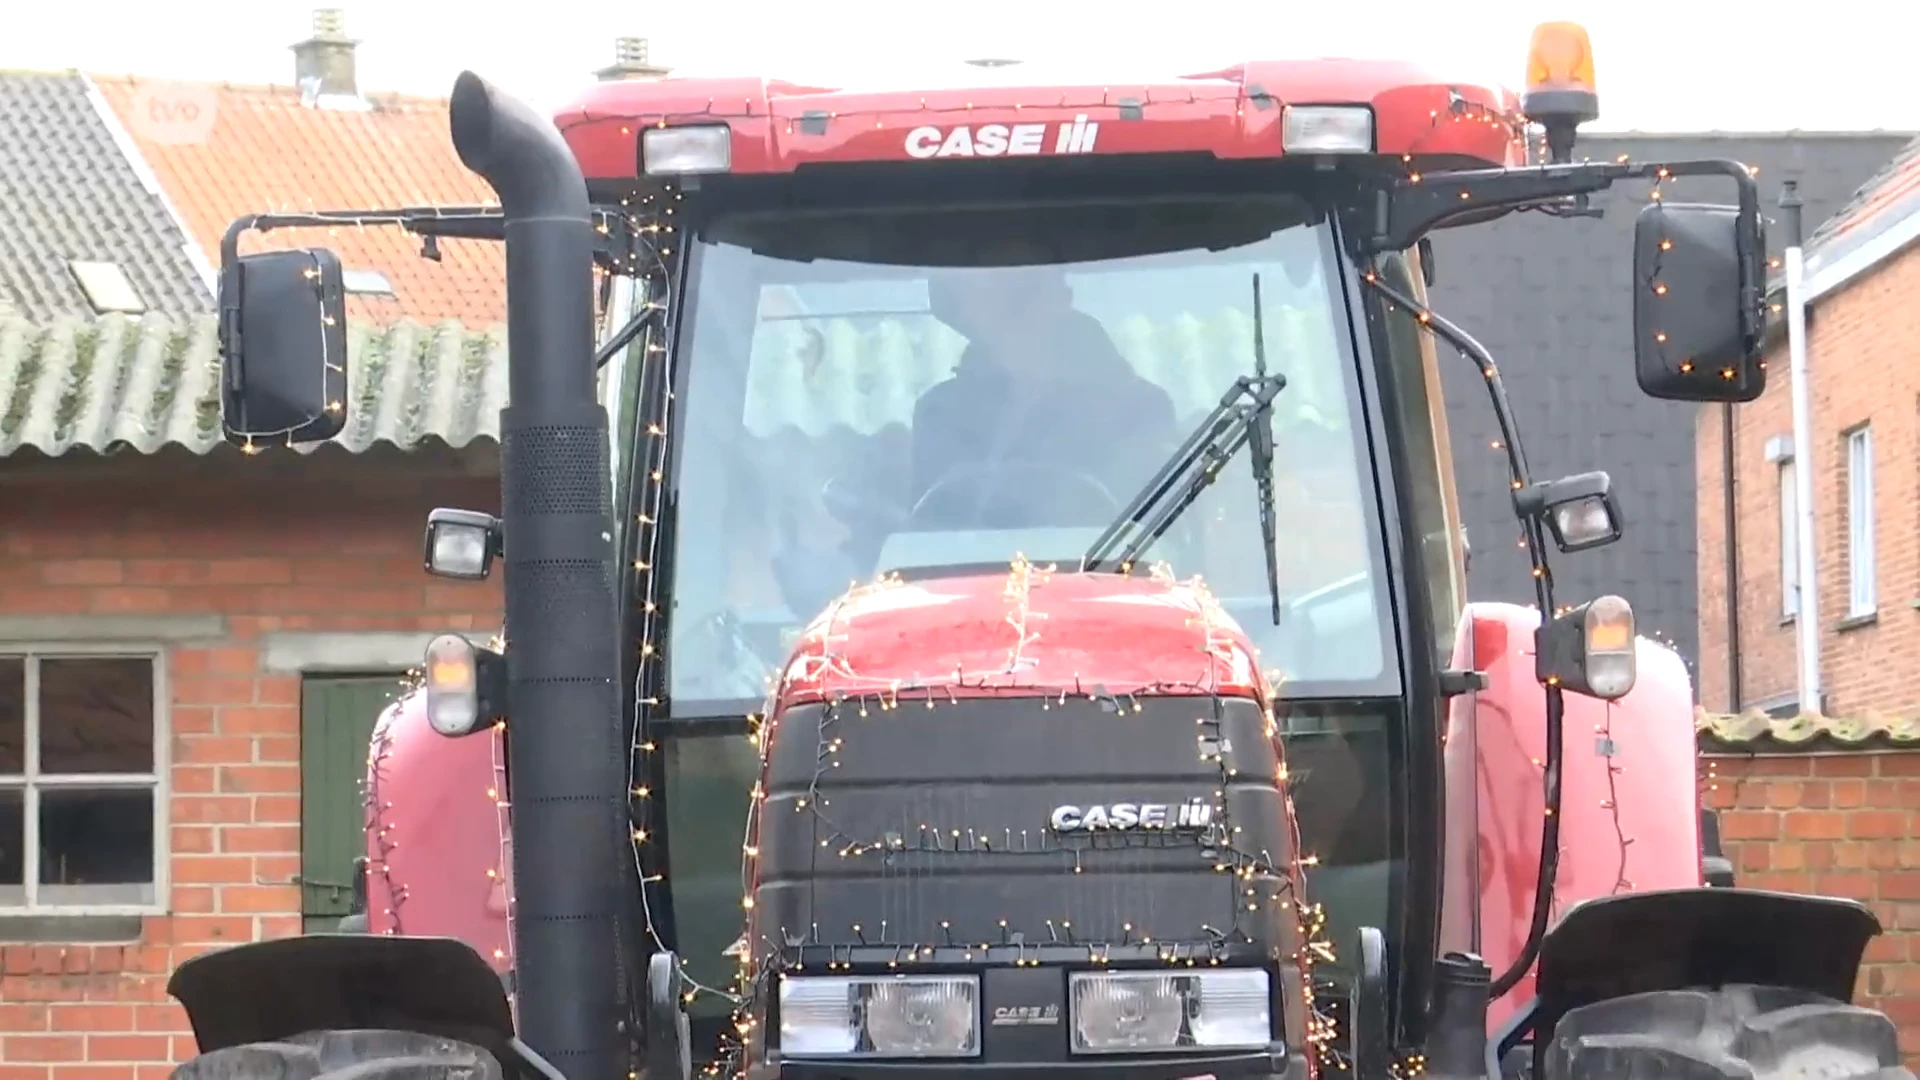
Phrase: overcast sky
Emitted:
{"points": [[1681, 65]]}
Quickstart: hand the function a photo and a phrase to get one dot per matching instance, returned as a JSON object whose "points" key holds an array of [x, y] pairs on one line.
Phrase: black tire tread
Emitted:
{"points": [[1734, 1033], [346, 1055]]}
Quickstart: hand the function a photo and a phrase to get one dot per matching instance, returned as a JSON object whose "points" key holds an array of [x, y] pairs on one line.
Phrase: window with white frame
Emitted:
{"points": [[81, 803], [1789, 543], [1860, 582]]}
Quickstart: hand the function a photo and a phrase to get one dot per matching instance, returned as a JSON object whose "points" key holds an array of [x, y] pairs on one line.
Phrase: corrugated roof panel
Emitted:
{"points": [[113, 383], [1755, 730]]}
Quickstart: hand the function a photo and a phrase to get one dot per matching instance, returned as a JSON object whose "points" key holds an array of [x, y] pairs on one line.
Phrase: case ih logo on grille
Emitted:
{"points": [[1026, 1015], [1003, 140], [1192, 814]]}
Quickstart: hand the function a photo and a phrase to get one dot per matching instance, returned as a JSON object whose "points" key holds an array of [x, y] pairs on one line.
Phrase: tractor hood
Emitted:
{"points": [[1047, 758], [1028, 632]]}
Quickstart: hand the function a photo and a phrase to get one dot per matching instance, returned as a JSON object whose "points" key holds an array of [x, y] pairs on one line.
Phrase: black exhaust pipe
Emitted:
{"points": [[564, 739]]}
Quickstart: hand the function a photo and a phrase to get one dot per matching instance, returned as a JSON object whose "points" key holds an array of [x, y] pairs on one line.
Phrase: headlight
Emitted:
{"points": [[1122, 1012], [882, 1016]]}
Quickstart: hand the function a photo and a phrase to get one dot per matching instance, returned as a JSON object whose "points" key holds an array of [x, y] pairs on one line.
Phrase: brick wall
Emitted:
{"points": [[1835, 824], [269, 543], [1864, 363]]}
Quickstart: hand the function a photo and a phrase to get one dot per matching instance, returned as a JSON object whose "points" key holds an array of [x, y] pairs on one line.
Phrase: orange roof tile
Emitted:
{"points": [[265, 151]]}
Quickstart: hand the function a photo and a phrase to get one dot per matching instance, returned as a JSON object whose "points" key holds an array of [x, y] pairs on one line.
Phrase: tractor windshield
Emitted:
{"points": [[939, 391]]}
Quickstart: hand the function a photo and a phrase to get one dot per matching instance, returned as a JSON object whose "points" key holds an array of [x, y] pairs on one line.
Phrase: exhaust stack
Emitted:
{"points": [[565, 744]]}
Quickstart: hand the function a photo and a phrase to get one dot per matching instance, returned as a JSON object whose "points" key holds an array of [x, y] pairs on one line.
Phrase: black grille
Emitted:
{"points": [[935, 822]]}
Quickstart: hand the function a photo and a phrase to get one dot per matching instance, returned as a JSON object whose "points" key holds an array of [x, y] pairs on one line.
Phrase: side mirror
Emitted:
{"points": [[1589, 649], [1697, 288], [283, 347]]}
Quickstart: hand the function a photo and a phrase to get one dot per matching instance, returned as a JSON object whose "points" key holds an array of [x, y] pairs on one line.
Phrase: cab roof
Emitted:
{"points": [[1234, 113]]}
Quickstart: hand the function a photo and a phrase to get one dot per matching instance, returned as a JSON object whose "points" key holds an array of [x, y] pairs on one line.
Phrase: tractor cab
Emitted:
{"points": [[932, 374], [1040, 585]]}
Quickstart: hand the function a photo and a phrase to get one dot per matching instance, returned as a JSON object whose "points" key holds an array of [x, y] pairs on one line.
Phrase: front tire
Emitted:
{"points": [[1734, 1033], [346, 1055]]}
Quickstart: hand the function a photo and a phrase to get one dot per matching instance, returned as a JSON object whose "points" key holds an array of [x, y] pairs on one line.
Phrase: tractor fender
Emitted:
{"points": [[273, 991], [1685, 939]]}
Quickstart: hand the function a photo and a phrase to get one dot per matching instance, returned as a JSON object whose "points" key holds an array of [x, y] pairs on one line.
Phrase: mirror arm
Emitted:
{"points": [[613, 233], [1409, 209]]}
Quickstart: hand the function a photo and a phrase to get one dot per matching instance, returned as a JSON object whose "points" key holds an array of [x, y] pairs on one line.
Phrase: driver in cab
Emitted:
{"points": [[1043, 422]]}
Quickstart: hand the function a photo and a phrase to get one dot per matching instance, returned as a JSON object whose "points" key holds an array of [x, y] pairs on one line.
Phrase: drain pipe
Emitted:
{"points": [[1807, 621], [1731, 530], [564, 752]]}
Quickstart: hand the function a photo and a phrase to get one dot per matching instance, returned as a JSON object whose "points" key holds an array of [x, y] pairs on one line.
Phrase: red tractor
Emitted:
{"points": [[1120, 758]]}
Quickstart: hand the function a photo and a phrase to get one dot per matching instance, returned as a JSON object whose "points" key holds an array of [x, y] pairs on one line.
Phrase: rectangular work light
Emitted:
{"points": [[1327, 129], [686, 151]]}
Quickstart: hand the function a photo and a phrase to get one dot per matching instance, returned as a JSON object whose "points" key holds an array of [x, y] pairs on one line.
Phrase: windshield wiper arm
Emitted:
{"points": [[1244, 414], [1260, 429]]}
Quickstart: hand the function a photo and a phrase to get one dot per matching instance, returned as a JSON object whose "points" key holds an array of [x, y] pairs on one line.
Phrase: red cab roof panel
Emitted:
{"points": [[1233, 113]]}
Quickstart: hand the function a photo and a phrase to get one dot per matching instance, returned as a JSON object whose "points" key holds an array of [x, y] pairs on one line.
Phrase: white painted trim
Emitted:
{"points": [[289, 652], [1863, 585], [151, 182], [160, 780], [1897, 236], [1786, 480], [99, 631]]}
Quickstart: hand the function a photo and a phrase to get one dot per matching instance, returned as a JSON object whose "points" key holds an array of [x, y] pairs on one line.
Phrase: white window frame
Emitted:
{"points": [[1789, 542], [158, 781], [1862, 592]]}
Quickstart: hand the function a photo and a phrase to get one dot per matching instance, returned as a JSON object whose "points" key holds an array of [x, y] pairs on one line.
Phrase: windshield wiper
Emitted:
{"points": [[1244, 415]]}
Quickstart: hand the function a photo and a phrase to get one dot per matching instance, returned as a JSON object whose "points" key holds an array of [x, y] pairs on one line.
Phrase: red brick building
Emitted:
{"points": [[1829, 802], [214, 614], [1863, 349], [194, 643]]}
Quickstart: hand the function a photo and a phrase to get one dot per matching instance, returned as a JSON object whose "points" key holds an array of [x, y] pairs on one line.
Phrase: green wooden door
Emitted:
{"points": [[337, 713]]}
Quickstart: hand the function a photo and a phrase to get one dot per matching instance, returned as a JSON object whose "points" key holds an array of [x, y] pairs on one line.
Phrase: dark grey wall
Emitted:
{"points": [[1550, 298]]}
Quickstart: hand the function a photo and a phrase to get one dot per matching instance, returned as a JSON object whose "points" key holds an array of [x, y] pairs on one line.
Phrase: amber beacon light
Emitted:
{"points": [[1561, 92]]}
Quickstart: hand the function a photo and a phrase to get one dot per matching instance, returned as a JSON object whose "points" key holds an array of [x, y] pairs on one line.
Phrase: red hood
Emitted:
{"points": [[1029, 630]]}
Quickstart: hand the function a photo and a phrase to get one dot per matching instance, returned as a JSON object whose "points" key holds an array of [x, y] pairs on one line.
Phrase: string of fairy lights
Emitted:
{"points": [[500, 876], [651, 262], [380, 823], [1608, 752]]}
